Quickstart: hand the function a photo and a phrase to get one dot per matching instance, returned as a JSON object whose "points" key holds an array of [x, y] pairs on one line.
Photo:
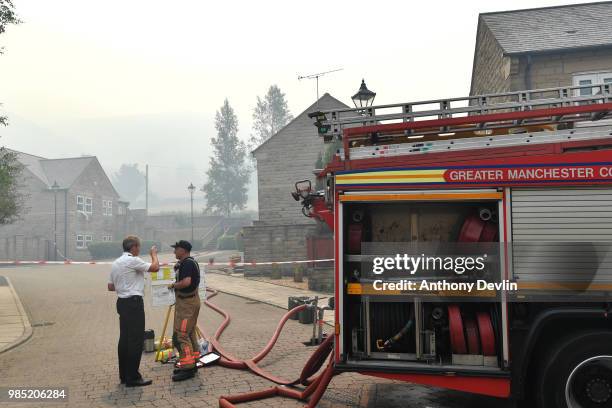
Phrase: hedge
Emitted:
{"points": [[113, 249]]}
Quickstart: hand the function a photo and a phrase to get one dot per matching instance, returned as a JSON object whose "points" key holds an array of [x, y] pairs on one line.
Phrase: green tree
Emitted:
{"points": [[228, 174], [330, 150], [129, 181], [11, 198], [269, 116], [7, 16]]}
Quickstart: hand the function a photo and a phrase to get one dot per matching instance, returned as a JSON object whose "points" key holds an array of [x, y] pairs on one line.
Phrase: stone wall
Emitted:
{"points": [[491, 69], [269, 243], [32, 237], [287, 157], [555, 70], [91, 183], [321, 279]]}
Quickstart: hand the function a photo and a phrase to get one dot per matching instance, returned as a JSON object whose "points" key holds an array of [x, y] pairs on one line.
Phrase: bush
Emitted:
{"points": [[226, 242], [113, 249]]}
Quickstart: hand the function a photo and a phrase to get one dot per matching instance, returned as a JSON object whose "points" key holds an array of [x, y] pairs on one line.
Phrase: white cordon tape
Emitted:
{"points": [[162, 263]]}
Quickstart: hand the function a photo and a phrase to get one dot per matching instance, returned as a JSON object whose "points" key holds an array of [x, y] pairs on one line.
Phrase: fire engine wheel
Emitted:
{"points": [[578, 373]]}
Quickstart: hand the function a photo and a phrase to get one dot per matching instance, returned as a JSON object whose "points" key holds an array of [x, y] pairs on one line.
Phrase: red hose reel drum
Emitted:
{"points": [[474, 229], [469, 335], [457, 336], [355, 233], [489, 233], [471, 229], [487, 335]]}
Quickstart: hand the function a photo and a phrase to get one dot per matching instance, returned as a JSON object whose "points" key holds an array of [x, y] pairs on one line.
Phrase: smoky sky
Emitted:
{"points": [[140, 81]]}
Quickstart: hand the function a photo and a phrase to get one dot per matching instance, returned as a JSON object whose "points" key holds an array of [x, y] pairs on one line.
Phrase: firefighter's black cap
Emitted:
{"points": [[186, 245]]}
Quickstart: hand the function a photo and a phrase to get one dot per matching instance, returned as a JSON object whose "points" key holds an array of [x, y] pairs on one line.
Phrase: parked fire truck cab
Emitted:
{"points": [[521, 184]]}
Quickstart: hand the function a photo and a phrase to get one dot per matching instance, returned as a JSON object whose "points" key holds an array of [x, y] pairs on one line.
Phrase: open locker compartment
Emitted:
{"points": [[405, 329]]}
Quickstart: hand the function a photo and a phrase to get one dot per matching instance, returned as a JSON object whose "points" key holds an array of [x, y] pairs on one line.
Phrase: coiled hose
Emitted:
{"points": [[315, 386]]}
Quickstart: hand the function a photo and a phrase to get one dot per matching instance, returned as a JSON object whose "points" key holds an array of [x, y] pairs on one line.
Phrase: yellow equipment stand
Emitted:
{"points": [[163, 335]]}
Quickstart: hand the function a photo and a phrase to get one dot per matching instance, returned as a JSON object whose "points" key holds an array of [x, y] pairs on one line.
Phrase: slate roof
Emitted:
{"points": [[64, 171], [325, 102], [552, 28]]}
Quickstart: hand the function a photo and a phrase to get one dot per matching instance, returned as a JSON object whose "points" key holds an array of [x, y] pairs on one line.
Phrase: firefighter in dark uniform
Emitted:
{"points": [[186, 311]]}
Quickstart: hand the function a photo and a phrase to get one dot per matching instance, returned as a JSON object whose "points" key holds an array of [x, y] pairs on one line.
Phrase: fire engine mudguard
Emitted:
{"points": [[544, 332]]}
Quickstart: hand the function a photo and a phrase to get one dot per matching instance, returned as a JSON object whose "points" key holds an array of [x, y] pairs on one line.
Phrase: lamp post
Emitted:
{"points": [[191, 189], [364, 98], [55, 187]]}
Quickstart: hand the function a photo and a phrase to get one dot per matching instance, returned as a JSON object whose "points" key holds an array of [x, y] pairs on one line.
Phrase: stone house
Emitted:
{"points": [[287, 157], [84, 207], [543, 48]]}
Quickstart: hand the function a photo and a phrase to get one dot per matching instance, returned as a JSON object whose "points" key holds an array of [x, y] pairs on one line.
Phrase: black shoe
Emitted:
{"points": [[184, 375], [138, 383], [178, 370]]}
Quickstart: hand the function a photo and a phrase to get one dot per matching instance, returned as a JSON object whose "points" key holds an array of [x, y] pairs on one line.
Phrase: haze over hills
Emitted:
{"points": [[176, 147]]}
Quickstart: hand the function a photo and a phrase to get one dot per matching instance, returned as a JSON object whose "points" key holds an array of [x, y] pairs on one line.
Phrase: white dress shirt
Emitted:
{"points": [[127, 275]]}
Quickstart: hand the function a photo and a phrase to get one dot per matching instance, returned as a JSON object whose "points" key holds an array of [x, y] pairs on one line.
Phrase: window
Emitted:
{"points": [[120, 210], [107, 238], [107, 207], [82, 240], [84, 204], [593, 78]]}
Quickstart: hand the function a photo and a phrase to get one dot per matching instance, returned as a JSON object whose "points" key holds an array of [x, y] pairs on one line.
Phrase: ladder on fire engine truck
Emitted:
{"points": [[473, 122]]}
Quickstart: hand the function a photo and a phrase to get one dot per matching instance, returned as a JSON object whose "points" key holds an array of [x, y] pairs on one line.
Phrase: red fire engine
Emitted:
{"points": [[529, 173]]}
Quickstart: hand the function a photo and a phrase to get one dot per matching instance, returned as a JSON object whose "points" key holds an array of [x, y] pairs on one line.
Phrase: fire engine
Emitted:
{"points": [[525, 175]]}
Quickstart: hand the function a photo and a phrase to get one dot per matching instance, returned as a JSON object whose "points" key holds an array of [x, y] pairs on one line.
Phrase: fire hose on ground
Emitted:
{"points": [[315, 386]]}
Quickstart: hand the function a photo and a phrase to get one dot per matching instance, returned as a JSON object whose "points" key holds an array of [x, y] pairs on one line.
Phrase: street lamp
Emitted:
{"points": [[364, 98], [191, 189], [55, 187]]}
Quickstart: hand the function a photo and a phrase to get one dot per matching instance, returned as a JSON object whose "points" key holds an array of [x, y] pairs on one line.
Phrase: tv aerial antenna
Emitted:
{"points": [[316, 76]]}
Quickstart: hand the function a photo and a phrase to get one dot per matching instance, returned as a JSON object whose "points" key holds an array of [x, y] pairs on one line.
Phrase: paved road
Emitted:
{"points": [[74, 345]]}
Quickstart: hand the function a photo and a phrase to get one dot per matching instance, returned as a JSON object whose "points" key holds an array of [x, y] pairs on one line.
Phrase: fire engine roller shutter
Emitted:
{"points": [[562, 234]]}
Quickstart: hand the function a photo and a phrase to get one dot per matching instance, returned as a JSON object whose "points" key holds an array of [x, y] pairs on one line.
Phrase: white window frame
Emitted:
{"points": [[597, 77], [107, 238], [82, 240], [80, 203], [88, 205], [84, 204], [107, 207]]}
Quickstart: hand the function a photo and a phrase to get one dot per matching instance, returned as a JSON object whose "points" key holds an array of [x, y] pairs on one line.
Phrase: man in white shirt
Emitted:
{"points": [[127, 279]]}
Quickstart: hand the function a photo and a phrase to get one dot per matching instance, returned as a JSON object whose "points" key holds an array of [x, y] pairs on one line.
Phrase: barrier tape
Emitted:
{"points": [[251, 263]]}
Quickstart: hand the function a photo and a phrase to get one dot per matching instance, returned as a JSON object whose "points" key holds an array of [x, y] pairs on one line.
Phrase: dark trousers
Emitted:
{"points": [[131, 336]]}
